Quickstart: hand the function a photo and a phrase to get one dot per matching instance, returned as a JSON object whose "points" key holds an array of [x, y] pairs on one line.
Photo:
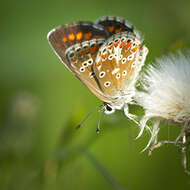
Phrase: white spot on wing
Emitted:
{"points": [[82, 69], [104, 51], [110, 57], [123, 39], [110, 43], [107, 83], [85, 64], [130, 57], [124, 73], [90, 61], [115, 71], [102, 74], [78, 48], [124, 60], [118, 76], [133, 64]]}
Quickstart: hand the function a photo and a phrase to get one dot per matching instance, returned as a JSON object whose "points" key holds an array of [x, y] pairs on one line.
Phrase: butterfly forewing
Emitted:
{"points": [[77, 46], [67, 36]]}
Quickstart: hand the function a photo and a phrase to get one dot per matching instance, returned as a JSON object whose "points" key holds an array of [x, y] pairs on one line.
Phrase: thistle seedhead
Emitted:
{"points": [[166, 95]]}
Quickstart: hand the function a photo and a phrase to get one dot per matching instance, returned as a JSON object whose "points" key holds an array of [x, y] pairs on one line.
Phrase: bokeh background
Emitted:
{"points": [[41, 102]]}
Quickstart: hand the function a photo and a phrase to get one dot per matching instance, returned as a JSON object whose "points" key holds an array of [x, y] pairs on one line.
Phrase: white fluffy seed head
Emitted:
{"points": [[167, 89]]}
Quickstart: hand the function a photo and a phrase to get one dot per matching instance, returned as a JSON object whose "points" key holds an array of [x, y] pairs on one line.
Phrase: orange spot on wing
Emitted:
{"points": [[87, 50], [97, 36], [73, 59], [71, 37], [104, 56], [80, 53], [79, 36], [88, 35], [116, 44], [64, 39], [128, 45], [110, 28], [118, 30], [110, 46], [121, 44], [98, 63], [94, 49], [135, 48], [58, 45]]}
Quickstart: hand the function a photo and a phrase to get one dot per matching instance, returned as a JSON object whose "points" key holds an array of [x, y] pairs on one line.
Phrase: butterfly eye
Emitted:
{"points": [[82, 69], [124, 60], [107, 83], [102, 74], [108, 109]]}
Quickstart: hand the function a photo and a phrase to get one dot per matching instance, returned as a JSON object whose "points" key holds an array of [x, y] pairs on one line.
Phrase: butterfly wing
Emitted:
{"points": [[118, 63], [77, 46], [115, 25]]}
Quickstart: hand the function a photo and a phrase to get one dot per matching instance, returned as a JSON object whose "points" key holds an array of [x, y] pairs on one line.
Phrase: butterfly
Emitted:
{"points": [[106, 56]]}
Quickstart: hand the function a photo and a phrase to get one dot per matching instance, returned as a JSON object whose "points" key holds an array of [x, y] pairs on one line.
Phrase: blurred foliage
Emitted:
{"points": [[39, 109]]}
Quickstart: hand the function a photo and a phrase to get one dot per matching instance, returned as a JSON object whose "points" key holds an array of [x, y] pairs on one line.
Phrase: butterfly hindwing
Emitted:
{"points": [[77, 46], [118, 63]]}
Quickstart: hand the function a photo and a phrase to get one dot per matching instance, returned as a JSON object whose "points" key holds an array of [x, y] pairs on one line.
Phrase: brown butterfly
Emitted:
{"points": [[106, 56]]}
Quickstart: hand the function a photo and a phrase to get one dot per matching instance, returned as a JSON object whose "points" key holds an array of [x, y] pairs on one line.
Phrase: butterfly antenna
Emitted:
{"points": [[87, 116], [98, 127]]}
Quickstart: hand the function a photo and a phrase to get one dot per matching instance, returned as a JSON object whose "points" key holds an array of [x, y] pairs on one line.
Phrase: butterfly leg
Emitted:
{"points": [[129, 115]]}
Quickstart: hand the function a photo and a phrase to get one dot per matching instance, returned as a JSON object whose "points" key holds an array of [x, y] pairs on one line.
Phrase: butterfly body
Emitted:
{"points": [[106, 56]]}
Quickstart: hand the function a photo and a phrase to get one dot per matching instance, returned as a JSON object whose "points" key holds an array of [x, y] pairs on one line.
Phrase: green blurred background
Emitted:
{"points": [[41, 102]]}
